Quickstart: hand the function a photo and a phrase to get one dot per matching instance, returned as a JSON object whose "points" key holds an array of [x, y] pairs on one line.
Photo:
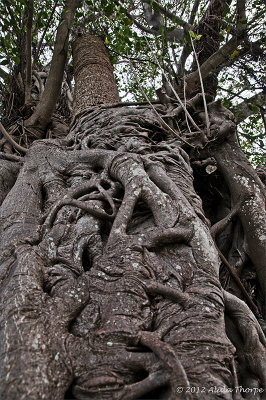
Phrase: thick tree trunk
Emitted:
{"points": [[109, 273]]}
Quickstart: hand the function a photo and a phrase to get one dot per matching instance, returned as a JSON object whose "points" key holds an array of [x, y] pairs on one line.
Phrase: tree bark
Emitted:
{"points": [[45, 108], [109, 273]]}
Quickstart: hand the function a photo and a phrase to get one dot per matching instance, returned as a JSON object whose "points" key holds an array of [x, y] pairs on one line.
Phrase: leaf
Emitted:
{"points": [[109, 9], [192, 34], [16, 59], [235, 53]]}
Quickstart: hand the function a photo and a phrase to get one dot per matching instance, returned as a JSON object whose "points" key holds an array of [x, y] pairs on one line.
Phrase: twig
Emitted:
{"points": [[154, 109], [44, 33], [173, 89], [202, 90]]}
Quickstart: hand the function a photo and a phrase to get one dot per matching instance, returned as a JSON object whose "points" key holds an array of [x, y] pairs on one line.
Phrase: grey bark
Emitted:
{"points": [[109, 273], [45, 108], [109, 250]]}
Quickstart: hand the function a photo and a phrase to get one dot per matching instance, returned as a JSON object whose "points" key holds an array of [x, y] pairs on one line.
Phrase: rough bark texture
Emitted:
{"points": [[94, 77], [46, 107], [110, 285]]}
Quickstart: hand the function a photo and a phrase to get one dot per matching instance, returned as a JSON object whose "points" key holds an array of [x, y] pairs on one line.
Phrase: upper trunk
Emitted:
{"points": [[94, 79]]}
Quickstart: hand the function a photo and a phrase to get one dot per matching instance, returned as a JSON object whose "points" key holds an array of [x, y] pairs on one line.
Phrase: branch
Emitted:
{"points": [[212, 63], [45, 108], [28, 53], [44, 33], [153, 18], [207, 119], [241, 25], [246, 108], [12, 141], [175, 19], [193, 12], [3, 74], [132, 18]]}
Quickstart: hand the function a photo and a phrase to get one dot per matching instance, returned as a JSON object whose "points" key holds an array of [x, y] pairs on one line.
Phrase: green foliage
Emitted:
{"points": [[252, 138], [136, 70]]}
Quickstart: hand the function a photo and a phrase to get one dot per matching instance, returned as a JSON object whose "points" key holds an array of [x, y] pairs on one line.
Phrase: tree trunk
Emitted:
{"points": [[109, 273]]}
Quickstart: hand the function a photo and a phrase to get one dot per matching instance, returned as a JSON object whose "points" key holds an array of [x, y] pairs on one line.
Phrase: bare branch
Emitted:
{"points": [[202, 90], [28, 53], [12, 141], [193, 12], [174, 18], [132, 18], [248, 107], [212, 63], [153, 18], [46, 106], [3, 74], [36, 56], [241, 25]]}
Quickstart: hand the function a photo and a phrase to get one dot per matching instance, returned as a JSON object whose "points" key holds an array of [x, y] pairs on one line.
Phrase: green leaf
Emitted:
{"points": [[192, 34], [109, 9], [16, 59]]}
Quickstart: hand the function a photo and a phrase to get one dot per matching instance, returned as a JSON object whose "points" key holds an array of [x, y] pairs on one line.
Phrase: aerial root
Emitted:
{"points": [[251, 333], [166, 354], [71, 199], [176, 295], [136, 390]]}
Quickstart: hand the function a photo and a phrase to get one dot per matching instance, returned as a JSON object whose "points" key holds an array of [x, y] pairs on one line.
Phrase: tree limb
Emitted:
{"points": [[132, 18], [36, 56], [28, 53], [3, 74], [175, 19], [45, 108], [211, 64], [246, 108], [241, 25], [186, 50], [153, 18], [12, 141], [193, 12]]}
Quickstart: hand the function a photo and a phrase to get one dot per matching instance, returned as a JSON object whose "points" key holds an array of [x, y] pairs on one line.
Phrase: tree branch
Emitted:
{"points": [[246, 108], [28, 53], [153, 18], [132, 18], [241, 25], [45, 108], [36, 56], [211, 64], [3, 74], [175, 19], [193, 12], [11, 140]]}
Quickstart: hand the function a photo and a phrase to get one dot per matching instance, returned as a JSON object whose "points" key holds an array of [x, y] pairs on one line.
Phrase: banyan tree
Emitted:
{"points": [[127, 240]]}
